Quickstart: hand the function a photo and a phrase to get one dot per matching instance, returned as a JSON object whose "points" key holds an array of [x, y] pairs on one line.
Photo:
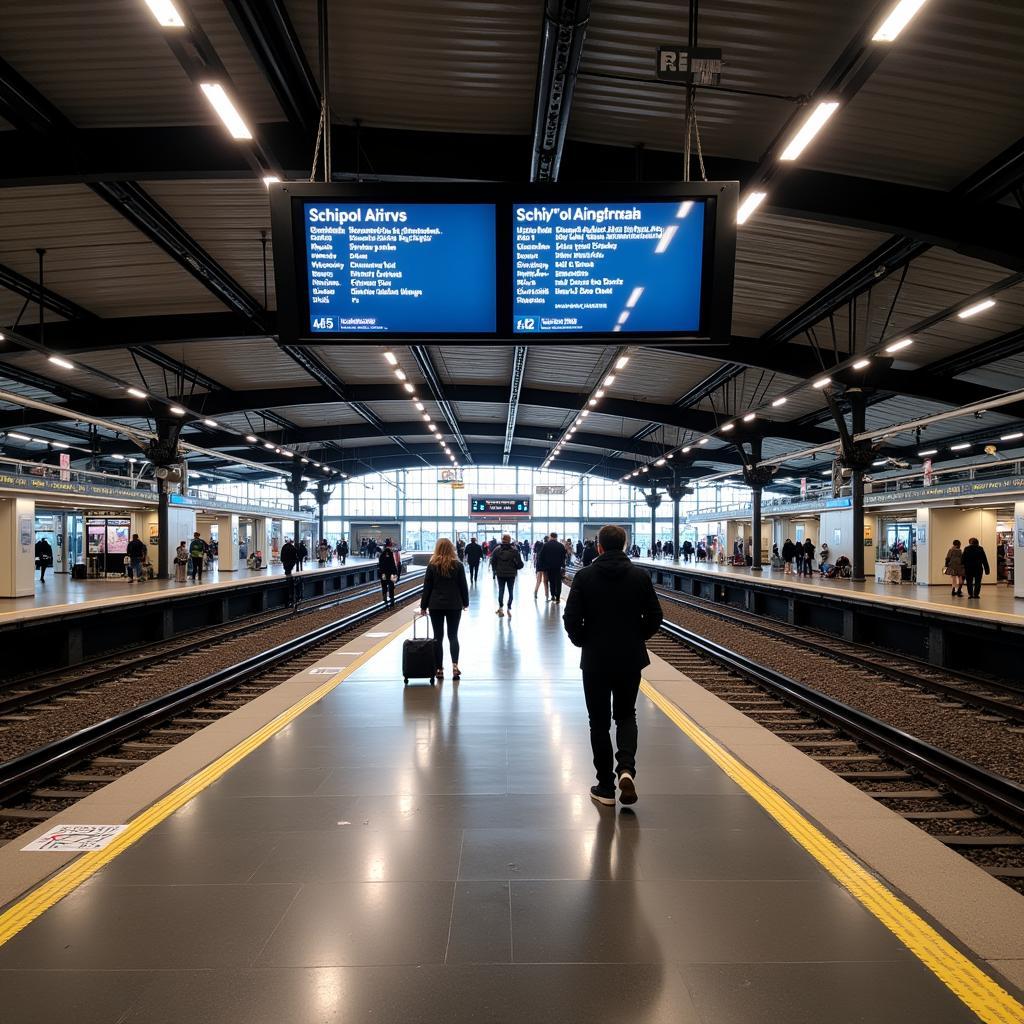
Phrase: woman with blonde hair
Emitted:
{"points": [[445, 595]]}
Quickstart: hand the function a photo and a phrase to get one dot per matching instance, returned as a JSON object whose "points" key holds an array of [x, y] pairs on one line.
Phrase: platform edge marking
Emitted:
{"points": [[25, 910], [982, 994]]}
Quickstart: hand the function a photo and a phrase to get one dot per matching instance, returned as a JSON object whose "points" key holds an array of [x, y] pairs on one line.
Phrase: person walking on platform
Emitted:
{"points": [[342, 551], [551, 561], [611, 613], [445, 596], [136, 552], [474, 554], [45, 555], [589, 552], [808, 560], [460, 549], [974, 561], [955, 569], [387, 566], [542, 576], [197, 555], [180, 562], [301, 554], [505, 563], [579, 551], [289, 556], [798, 558]]}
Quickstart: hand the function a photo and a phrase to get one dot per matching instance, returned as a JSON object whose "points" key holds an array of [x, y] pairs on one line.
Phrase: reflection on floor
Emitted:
{"points": [[431, 854]]}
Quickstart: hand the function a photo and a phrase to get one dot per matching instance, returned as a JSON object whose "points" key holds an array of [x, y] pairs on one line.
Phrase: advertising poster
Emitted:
{"points": [[803, 487], [927, 472], [65, 466], [95, 534], [25, 532], [118, 535]]}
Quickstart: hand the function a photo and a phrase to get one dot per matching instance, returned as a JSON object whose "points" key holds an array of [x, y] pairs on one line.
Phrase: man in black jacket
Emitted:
{"points": [[611, 613], [473, 555], [552, 561], [136, 552], [975, 560]]}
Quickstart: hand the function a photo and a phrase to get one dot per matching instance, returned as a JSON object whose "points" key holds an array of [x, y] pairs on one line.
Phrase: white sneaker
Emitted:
{"points": [[627, 789]]}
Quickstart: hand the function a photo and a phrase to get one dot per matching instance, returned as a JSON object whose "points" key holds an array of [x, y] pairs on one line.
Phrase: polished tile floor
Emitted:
{"points": [[431, 854]]}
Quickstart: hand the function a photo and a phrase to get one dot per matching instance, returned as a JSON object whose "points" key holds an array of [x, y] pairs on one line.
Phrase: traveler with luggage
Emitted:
{"points": [[445, 596], [136, 552], [197, 553], [474, 554], [180, 562], [388, 568], [611, 613], [505, 563]]}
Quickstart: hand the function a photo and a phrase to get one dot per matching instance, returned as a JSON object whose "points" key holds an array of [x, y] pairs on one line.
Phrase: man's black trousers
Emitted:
{"points": [[612, 697]]}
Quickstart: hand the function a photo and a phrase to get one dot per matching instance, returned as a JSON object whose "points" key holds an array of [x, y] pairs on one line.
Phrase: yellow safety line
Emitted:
{"points": [[984, 996], [39, 900]]}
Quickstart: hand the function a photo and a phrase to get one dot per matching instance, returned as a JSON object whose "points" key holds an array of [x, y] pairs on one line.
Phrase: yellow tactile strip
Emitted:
{"points": [[65, 881], [981, 994]]}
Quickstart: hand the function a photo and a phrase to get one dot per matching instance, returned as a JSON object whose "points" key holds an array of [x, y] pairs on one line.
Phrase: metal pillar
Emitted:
{"points": [[653, 501], [322, 496], [756, 477], [858, 406], [676, 492]]}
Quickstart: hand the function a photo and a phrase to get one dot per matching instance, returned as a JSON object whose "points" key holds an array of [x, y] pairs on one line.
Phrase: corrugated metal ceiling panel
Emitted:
{"points": [[37, 363], [1006, 374], [767, 49], [568, 367], [476, 364], [327, 415], [450, 65], [249, 363], [661, 377], [225, 218], [93, 255], [918, 121]]}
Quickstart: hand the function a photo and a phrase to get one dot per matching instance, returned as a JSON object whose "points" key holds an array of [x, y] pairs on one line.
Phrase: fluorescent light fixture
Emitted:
{"points": [[609, 380], [268, 446], [270, 179], [19, 437], [210, 423], [599, 393], [645, 469], [306, 461], [251, 439], [861, 363], [670, 454], [928, 451], [687, 450], [287, 454], [821, 382], [592, 402], [59, 444], [166, 13], [136, 393], [432, 427], [978, 307], [400, 374], [584, 414], [277, 451], [408, 387], [684, 208], [120, 458], [620, 363], [634, 298], [57, 361], [779, 401], [660, 462], [177, 410], [811, 126], [749, 205], [623, 316], [880, 462], [3, 337], [1012, 437], [419, 405], [426, 417], [750, 416], [579, 420], [391, 358], [728, 426], [898, 19], [897, 346], [703, 440], [666, 236], [827, 472], [960, 447], [221, 103]]}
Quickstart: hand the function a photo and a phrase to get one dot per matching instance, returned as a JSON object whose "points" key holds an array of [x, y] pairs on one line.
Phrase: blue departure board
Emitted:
{"points": [[607, 268], [419, 268]]}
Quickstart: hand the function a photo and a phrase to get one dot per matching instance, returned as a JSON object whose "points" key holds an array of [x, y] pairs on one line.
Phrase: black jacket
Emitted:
{"points": [[808, 550], [474, 553], [551, 557], [975, 559], [589, 554], [387, 564], [506, 562], [611, 612], [444, 593], [288, 555], [136, 549]]}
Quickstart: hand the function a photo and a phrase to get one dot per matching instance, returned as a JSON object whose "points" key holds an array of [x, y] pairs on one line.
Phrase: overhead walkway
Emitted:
{"points": [[396, 854]]}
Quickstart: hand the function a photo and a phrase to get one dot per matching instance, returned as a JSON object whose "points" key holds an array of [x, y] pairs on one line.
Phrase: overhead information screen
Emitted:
{"points": [[599, 268], [505, 506], [419, 268]]}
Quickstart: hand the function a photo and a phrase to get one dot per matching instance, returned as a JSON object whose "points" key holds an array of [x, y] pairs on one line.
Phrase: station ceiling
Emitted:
{"points": [[909, 207]]}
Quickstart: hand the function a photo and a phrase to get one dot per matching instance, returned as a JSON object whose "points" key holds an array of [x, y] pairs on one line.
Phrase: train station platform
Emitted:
{"points": [[363, 851]]}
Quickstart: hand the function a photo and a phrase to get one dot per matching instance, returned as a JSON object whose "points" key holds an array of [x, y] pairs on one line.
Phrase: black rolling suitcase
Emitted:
{"points": [[418, 656]]}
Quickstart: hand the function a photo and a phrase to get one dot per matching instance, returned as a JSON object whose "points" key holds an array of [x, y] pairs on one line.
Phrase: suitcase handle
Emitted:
{"points": [[415, 620]]}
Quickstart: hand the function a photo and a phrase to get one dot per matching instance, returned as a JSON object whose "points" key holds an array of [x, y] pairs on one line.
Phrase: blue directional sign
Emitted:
{"points": [[419, 268], [607, 268]]}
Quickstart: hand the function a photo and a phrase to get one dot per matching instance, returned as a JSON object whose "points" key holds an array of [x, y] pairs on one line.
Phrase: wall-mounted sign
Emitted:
{"points": [[550, 488]]}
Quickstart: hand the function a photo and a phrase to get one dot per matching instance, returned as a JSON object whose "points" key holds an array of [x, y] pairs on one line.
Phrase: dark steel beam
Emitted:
{"points": [[519, 354], [426, 364], [29, 289], [563, 33]]}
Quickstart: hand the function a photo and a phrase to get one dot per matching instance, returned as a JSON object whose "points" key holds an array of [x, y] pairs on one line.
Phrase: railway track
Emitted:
{"points": [[992, 696], [977, 812], [49, 778]]}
